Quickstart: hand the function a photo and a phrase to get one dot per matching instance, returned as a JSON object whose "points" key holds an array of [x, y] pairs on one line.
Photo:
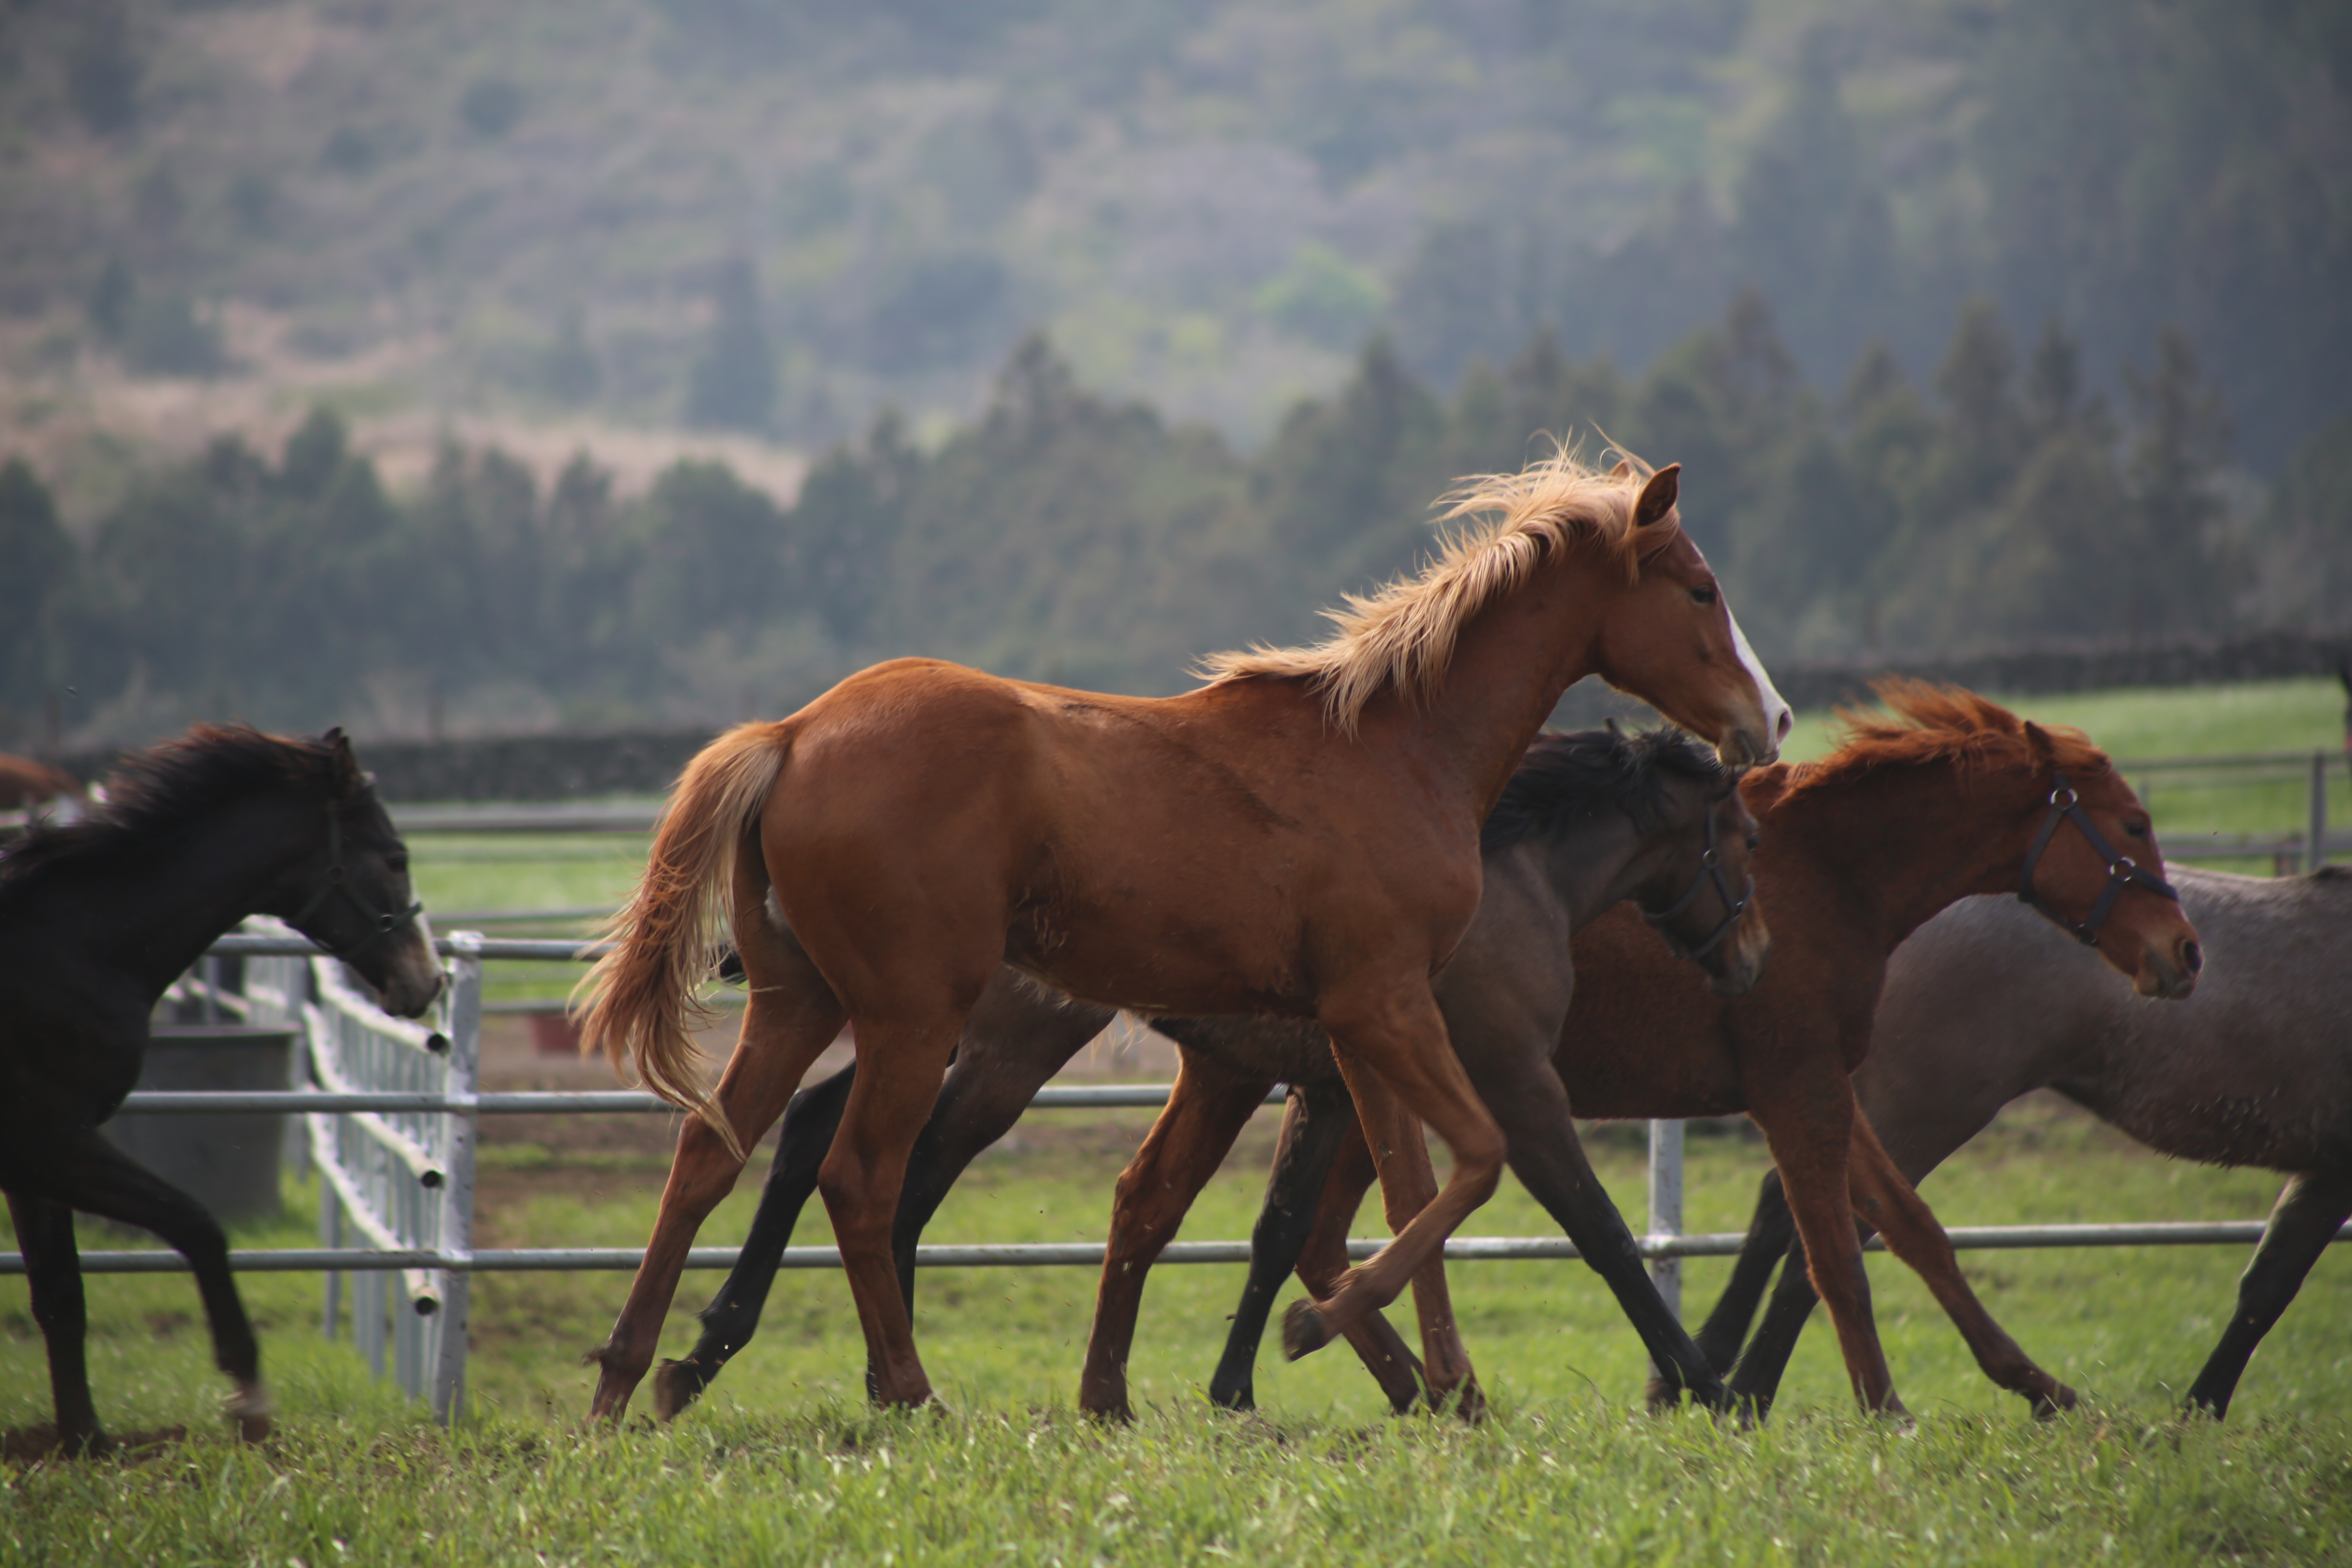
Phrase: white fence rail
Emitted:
{"points": [[389, 1110]]}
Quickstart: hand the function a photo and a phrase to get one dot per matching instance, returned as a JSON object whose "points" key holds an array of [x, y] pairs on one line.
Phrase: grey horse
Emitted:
{"points": [[2253, 1070]]}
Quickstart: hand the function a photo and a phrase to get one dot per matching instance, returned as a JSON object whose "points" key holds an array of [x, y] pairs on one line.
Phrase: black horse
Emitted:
{"points": [[97, 920]]}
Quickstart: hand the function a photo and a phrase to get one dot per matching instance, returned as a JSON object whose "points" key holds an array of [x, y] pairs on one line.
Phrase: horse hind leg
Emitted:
{"points": [[2311, 1208], [901, 1059], [790, 1019], [97, 1178], [1881, 1197], [733, 1314], [1403, 1039], [53, 1270], [1408, 1185]]}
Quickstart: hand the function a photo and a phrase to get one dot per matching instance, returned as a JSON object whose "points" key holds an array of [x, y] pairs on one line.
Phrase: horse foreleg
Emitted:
{"points": [[1809, 1126], [782, 1033], [1400, 1038], [1205, 1113], [53, 1270], [1769, 1233], [733, 1315], [1756, 1381], [2311, 1208], [1883, 1199], [1408, 1185]]}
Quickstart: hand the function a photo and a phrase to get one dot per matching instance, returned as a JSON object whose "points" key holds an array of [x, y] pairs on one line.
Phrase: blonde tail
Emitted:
{"points": [[639, 1004]]}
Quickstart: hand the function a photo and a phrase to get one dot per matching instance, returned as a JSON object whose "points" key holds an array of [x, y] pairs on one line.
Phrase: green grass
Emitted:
{"points": [[781, 1462]]}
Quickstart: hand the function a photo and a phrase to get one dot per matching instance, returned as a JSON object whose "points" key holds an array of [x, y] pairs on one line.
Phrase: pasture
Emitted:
{"points": [[782, 1462]]}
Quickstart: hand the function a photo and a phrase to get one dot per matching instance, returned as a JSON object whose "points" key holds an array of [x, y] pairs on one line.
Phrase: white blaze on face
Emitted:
{"points": [[1778, 720]]}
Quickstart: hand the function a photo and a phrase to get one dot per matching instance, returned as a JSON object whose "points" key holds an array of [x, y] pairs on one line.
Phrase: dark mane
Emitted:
{"points": [[1568, 775], [154, 795]]}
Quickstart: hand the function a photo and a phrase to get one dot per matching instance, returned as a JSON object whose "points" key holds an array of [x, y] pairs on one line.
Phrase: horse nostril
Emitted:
{"points": [[2192, 956]]}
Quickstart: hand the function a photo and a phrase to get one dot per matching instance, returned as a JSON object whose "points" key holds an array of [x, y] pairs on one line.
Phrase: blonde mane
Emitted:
{"points": [[1933, 723], [1402, 636]]}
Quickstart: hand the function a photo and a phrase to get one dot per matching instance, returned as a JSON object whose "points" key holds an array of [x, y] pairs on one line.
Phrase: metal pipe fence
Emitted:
{"points": [[388, 1113]]}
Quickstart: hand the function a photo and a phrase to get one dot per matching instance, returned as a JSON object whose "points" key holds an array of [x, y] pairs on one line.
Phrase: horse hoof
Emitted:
{"points": [[250, 1409], [2047, 1405], [1303, 1330], [676, 1385], [1469, 1401], [1242, 1398]]}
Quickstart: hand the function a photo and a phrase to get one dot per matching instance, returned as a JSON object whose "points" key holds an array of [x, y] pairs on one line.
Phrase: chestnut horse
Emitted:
{"points": [[1301, 837], [1587, 820], [24, 782], [97, 920], [1860, 850], [2257, 1070]]}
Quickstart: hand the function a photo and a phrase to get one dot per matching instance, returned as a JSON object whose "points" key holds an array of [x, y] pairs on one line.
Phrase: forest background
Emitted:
{"points": [[1077, 346]]}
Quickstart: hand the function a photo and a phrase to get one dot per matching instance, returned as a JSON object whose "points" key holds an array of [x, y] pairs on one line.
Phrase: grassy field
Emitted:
{"points": [[782, 1463]]}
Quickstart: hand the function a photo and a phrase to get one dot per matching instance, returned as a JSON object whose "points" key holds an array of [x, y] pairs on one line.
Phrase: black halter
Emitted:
{"points": [[383, 922], [1710, 869], [2121, 872]]}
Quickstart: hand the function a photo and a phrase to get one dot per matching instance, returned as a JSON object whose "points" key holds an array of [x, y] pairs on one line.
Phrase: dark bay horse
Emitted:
{"points": [[1953, 796], [2256, 1070], [1587, 820], [1298, 837], [97, 920]]}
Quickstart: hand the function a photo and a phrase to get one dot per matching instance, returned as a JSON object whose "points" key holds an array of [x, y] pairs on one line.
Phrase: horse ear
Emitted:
{"points": [[2037, 741], [1623, 469], [349, 780], [1658, 496]]}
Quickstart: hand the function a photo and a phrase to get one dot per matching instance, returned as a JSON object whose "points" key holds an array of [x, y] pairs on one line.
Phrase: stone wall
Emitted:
{"points": [[644, 762]]}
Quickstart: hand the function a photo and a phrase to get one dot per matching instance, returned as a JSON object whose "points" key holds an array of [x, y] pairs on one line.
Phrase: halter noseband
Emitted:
{"points": [[2121, 870], [383, 922], [1710, 869]]}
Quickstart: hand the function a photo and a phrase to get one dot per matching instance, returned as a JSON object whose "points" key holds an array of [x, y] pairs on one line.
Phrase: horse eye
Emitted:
{"points": [[2136, 829], [1702, 595], [1753, 840]]}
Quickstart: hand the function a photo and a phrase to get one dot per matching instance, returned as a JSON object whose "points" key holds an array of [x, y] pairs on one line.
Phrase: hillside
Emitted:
{"points": [[636, 214]]}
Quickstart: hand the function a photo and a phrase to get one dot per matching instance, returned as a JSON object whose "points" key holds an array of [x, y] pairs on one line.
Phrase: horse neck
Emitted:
{"points": [[1593, 862], [1903, 843], [161, 909], [1511, 662]]}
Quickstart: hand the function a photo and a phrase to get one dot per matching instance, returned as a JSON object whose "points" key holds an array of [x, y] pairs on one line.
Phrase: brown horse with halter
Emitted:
{"points": [[1298, 837], [1954, 796]]}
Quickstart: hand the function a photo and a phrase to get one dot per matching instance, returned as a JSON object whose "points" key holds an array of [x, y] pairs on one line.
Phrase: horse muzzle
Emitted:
{"points": [[2169, 975]]}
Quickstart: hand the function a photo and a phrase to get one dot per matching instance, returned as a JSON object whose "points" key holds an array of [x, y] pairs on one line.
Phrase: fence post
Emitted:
{"points": [[1667, 1207], [463, 1081], [2315, 850]]}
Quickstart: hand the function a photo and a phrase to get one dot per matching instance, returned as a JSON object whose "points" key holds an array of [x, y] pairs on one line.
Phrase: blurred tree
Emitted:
{"points": [[2180, 438], [851, 508], [104, 67], [715, 555], [1347, 485], [37, 573], [731, 384]]}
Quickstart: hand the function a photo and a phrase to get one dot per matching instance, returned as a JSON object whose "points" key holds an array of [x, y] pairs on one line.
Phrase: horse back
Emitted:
{"points": [[1207, 853]]}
